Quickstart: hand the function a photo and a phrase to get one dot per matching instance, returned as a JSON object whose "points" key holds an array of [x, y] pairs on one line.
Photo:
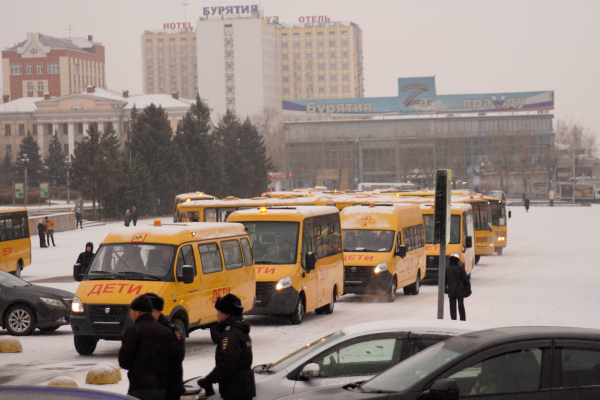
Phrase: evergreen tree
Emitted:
{"points": [[255, 155], [232, 174], [56, 169], [109, 186], [135, 187], [30, 147], [7, 171]]}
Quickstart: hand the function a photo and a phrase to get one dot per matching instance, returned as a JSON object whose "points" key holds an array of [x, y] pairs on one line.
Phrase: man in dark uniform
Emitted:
{"points": [[233, 357], [458, 286], [175, 374], [146, 351]]}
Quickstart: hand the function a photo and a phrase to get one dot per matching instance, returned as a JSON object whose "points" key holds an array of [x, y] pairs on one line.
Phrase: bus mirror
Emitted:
{"points": [[468, 242], [509, 213], [310, 261], [401, 251], [187, 274], [78, 272]]}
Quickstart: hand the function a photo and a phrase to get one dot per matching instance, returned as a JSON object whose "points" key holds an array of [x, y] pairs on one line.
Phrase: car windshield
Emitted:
{"points": [[273, 242], [454, 228], [402, 376], [368, 240], [133, 261], [304, 351], [8, 280]]}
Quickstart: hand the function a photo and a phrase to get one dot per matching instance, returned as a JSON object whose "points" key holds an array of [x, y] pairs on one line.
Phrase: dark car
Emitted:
{"points": [[539, 363], [24, 306]]}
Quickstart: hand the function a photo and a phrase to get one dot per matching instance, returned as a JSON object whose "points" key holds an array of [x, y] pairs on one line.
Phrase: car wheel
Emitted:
{"points": [[20, 320], [477, 259], [85, 345], [49, 328], [296, 316], [214, 334], [390, 296], [19, 269]]}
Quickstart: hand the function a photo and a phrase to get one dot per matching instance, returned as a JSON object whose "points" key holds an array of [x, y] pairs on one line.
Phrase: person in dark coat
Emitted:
{"points": [[78, 219], [134, 216], [87, 256], [42, 233], [175, 374], [233, 356], [526, 201], [127, 218], [146, 349], [458, 286]]}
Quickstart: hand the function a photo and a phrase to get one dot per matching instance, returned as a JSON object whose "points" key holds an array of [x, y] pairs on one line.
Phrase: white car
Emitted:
{"points": [[355, 353]]}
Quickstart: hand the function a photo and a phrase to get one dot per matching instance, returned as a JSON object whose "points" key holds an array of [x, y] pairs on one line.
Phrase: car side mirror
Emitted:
{"points": [[509, 213], [400, 251], [468, 242], [78, 272], [310, 259], [442, 389], [311, 370], [187, 274]]}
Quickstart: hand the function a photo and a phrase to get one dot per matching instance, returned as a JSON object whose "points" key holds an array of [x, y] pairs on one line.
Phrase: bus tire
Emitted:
{"points": [[328, 309], [390, 295], [415, 287], [296, 316], [85, 345], [19, 269], [499, 251], [179, 323], [477, 259]]}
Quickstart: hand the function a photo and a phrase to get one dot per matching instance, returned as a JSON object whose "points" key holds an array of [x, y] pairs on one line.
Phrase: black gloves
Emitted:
{"points": [[207, 386]]}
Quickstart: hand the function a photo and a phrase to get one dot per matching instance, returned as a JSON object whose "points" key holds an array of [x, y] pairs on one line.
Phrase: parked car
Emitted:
{"points": [[539, 363], [355, 353], [498, 194], [57, 393], [24, 306]]}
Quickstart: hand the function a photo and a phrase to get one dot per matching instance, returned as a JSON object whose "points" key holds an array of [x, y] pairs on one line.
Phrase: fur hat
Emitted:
{"points": [[141, 303], [229, 304], [158, 303]]}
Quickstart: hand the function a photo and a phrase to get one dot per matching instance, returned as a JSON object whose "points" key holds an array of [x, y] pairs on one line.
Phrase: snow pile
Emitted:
{"points": [[114, 367], [10, 345], [102, 374], [62, 380]]}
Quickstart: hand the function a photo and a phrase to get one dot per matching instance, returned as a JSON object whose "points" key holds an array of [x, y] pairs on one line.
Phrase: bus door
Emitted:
{"points": [[329, 243], [310, 242]]}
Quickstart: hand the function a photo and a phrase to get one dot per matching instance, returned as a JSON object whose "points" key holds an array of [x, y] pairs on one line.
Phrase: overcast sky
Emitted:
{"points": [[470, 46]]}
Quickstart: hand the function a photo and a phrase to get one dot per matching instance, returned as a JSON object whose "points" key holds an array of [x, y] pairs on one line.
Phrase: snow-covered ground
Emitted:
{"points": [[548, 275]]}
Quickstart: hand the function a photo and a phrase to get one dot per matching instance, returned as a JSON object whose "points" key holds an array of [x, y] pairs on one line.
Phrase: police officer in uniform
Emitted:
{"points": [[233, 357], [175, 372]]}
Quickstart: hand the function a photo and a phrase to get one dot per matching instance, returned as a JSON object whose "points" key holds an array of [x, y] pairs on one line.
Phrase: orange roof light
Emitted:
{"points": [[397, 194], [157, 223], [187, 200], [371, 204], [263, 210]]}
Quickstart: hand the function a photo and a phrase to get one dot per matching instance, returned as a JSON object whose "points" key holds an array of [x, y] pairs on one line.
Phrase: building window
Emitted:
{"points": [[284, 45], [345, 78], [184, 61], [321, 67], [309, 56], [161, 84], [173, 84], [344, 54], [344, 43], [286, 91], [332, 54], [320, 56], [160, 50], [21, 129], [65, 127], [7, 130], [333, 89], [173, 72], [150, 73], [307, 33], [296, 45], [346, 89], [320, 33], [309, 78], [30, 86], [185, 94], [309, 90], [185, 83], [322, 89], [320, 43], [332, 43], [297, 67], [309, 67], [184, 49], [298, 79], [148, 50], [40, 86], [308, 45], [344, 32], [298, 90], [285, 79], [345, 66], [149, 62], [29, 69], [161, 73], [15, 69], [332, 67], [172, 49], [285, 68], [321, 78], [284, 34], [295, 33], [173, 61], [297, 56], [184, 72], [40, 69], [160, 40], [160, 62], [75, 69], [284, 56], [150, 84], [332, 32], [53, 68], [333, 78]]}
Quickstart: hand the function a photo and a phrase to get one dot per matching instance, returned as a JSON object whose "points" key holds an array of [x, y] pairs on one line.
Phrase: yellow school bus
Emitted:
{"points": [[298, 258], [189, 265], [187, 197], [15, 239], [384, 249], [499, 222]]}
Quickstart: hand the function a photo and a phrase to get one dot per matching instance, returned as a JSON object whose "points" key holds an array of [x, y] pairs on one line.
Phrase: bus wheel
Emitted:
{"points": [[499, 251], [296, 316], [477, 259], [328, 309], [85, 345], [19, 269], [181, 325], [390, 296], [415, 287]]}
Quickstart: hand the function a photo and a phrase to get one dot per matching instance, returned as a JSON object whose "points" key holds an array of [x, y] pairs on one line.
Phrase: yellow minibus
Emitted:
{"points": [[187, 197], [15, 240], [298, 258]]}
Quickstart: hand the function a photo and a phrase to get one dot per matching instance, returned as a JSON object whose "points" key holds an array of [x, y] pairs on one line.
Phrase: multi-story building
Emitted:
{"points": [[44, 64], [321, 60], [238, 63], [169, 61]]}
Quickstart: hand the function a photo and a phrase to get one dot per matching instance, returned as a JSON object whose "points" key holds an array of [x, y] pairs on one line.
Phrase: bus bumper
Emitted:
{"points": [[362, 280], [270, 301], [102, 321]]}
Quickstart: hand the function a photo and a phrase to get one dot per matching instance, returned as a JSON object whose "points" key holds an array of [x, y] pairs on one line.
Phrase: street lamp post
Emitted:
{"points": [[68, 162], [25, 160]]}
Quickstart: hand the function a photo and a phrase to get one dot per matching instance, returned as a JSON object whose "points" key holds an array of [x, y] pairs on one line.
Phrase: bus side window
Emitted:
{"points": [[185, 257], [247, 250], [210, 215], [182, 217], [194, 216], [210, 257]]}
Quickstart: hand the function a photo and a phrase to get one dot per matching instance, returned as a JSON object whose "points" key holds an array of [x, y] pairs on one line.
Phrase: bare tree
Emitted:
{"points": [[575, 141], [270, 127], [523, 158], [499, 155]]}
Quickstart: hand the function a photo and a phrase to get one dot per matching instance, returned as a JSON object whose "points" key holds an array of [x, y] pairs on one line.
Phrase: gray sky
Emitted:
{"points": [[470, 46]]}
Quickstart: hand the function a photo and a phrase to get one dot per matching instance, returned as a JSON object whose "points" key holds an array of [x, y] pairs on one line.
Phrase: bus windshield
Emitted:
{"points": [[273, 242], [368, 240], [482, 217], [498, 214], [454, 228], [133, 261]]}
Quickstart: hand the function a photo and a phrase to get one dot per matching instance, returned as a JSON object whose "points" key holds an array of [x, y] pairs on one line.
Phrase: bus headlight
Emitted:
{"points": [[77, 305], [284, 282], [381, 267]]}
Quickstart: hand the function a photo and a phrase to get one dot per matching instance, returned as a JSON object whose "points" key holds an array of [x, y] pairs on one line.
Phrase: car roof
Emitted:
{"points": [[431, 326], [509, 334]]}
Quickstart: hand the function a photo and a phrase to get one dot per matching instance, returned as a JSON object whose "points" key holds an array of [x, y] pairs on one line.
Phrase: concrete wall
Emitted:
{"points": [[63, 221]]}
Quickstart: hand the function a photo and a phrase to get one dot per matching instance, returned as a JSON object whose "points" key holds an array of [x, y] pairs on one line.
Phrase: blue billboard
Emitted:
{"points": [[418, 96]]}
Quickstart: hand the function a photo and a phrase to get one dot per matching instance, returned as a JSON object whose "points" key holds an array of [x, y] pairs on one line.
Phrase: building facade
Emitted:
{"points": [[321, 60], [169, 61], [238, 66], [44, 64]]}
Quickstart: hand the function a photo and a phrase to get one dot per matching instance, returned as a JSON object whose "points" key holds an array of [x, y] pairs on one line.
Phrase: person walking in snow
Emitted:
{"points": [[526, 201], [233, 356], [78, 219], [134, 216], [127, 218], [86, 257], [458, 286], [49, 231]]}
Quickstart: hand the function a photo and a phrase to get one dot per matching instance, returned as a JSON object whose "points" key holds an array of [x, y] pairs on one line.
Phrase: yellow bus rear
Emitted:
{"points": [[15, 239], [187, 197]]}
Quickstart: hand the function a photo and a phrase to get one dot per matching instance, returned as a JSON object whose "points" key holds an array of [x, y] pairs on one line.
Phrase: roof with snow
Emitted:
{"points": [[24, 104], [53, 43]]}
